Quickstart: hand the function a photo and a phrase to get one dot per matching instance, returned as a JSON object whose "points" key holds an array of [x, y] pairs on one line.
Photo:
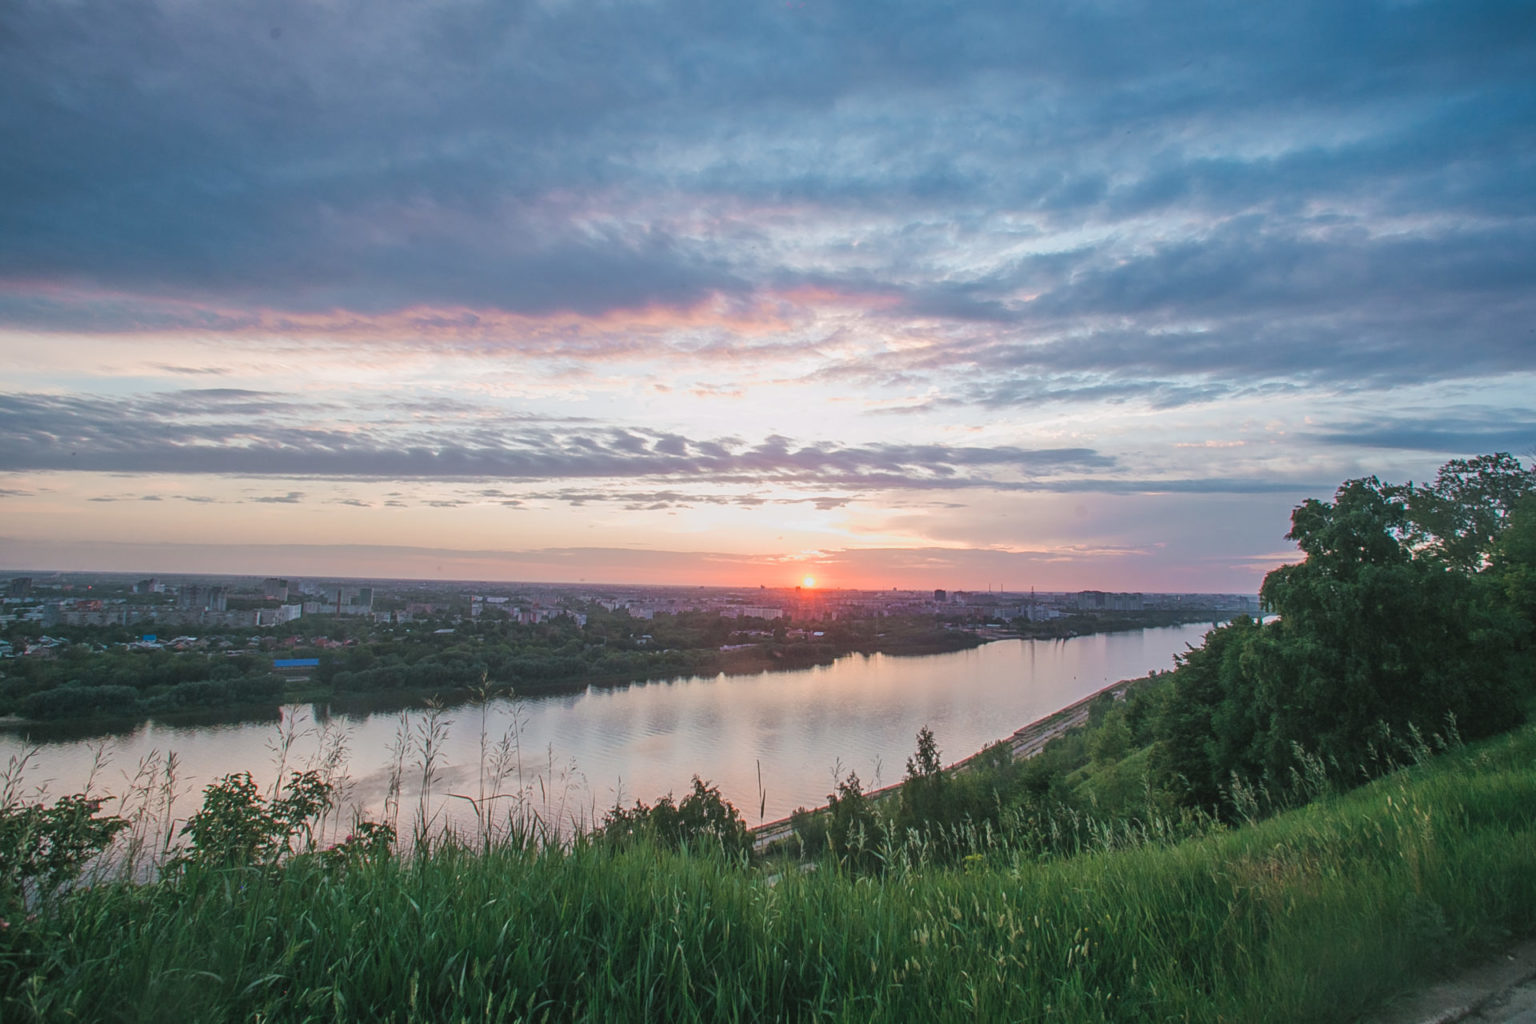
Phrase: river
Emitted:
{"points": [[772, 741]]}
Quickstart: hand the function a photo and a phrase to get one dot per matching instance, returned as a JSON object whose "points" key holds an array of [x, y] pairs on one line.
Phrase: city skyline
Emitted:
{"points": [[904, 296]]}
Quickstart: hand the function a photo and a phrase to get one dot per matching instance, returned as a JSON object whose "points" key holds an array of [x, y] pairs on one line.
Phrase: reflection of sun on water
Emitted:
{"points": [[808, 582]]}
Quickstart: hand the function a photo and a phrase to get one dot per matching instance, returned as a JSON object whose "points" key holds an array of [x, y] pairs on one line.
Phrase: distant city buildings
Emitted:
{"points": [[752, 611], [255, 603], [84, 613], [526, 613], [342, 601], [194, 597], [1097, 600]]}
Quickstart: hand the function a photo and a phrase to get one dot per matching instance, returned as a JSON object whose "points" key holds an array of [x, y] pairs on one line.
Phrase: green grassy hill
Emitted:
{"points": [[1313, 915]]}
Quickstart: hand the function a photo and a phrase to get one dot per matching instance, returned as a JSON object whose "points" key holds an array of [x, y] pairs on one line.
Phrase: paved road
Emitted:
{"points": [[1518, 1006], [1501, 990]]}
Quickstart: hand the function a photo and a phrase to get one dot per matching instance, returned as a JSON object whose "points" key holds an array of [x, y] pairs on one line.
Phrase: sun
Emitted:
{"points": [[808, 582]]}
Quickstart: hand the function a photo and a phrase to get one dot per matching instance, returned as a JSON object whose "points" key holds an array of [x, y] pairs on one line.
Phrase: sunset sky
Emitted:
{"points": [[1063, 295]]}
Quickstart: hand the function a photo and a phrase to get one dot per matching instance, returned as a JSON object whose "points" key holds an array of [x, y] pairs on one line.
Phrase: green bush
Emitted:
{"points": [[45, 846], [702, 816]]}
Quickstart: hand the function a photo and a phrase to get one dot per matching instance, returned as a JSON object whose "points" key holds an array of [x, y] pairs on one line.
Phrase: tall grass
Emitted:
{"points": [[1315, 915]]}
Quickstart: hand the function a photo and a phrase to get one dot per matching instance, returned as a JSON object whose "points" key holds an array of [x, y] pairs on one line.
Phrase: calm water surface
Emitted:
{"points": [[569, 757]]}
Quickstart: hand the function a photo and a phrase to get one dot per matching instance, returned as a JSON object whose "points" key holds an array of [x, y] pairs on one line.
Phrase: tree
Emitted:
{"points": [[1458, 517], [1412, 604], [1375, 634], [924, 790], [1514, 560], [853, 832], [1207, 727], [237, 826], [1111, 741]]}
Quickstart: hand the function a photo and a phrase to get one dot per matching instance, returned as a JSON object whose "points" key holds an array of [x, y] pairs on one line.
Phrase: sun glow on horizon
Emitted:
{"points": [[809, 582]]}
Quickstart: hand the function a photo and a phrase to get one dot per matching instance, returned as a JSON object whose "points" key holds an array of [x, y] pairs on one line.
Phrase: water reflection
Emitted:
{"points": [[571, 756]]}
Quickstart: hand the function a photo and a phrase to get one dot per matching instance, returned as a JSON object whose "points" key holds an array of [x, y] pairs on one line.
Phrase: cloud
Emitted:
{"points": [[1187, 485], [212, 432], [1507, 430], [191, 371], [667, 499], [672, 154]]}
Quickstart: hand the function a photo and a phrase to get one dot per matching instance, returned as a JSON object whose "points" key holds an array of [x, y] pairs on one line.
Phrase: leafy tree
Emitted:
{"points": [[1405, 610], [1112, 740], [1372, 634], [705, 813], [1459, 517], [1513, 570], [852, 830], [924, 791], [74, 700], [1208, 725]]}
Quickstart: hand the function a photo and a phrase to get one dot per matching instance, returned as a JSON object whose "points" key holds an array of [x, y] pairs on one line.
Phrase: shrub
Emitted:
{"points": [[701, 815], [43, 847], [237, 826]]}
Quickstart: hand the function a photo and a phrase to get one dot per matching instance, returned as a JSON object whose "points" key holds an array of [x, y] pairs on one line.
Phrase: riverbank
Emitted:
{"points": [[1024, 742]]}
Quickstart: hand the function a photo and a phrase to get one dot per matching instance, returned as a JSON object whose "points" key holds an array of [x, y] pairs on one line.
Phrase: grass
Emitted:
{"points": [[1318, 915]]}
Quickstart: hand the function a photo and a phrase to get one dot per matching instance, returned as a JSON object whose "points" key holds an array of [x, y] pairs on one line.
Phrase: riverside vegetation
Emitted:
{"points": [[1300, 819]]}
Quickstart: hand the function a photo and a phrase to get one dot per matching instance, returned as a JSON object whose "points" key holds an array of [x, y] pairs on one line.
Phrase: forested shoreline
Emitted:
{"points": [[403, 667], [103, 678]]}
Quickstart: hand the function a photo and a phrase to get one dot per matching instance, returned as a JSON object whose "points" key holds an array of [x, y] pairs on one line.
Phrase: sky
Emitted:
{"points": [[729, 292]]}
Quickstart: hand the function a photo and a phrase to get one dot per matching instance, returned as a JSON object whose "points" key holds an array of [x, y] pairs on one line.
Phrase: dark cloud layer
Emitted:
{"points": [[217, 432], [1489, 431], [1239, 196]]}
